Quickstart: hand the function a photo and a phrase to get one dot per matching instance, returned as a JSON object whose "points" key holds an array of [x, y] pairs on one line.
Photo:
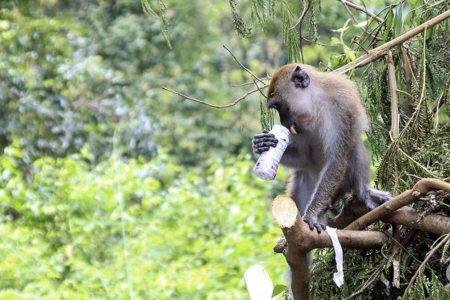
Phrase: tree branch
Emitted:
{"points": [[236, 101], [300, 240], [406, 216], [362, 9], [376, 53], [405, 198], [394, 132], [306, 5], [244, 67]]}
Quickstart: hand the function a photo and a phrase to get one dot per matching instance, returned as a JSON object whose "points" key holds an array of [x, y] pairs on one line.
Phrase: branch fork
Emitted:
{"points": [[299, 239]]}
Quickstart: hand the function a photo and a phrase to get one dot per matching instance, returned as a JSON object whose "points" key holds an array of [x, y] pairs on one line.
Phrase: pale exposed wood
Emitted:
{"points": [[299, 239], [284, 211]]}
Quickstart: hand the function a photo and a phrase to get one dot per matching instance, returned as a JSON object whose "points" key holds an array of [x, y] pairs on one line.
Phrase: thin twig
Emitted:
{"points": [[371, 279], [362, 9], [299, 21], [422, 92], [422, 265], [404, 92], [244, 67], [243, 84], [259, 89], [348, 10], [418, 164], [236, 101], [379, 51]]}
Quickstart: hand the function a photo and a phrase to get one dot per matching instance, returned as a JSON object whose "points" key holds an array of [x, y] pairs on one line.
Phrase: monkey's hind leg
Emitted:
{"points": [[372, 198], [379, 197]]}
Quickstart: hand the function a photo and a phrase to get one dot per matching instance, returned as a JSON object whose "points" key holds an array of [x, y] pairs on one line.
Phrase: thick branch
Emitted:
{"points": [[410, 217], [296, 231], [405, 198], [381, 50], [300, 240], [406, 216]]}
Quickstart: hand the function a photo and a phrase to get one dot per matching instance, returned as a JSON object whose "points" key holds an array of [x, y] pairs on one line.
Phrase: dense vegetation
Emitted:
{"points": [[114, 188]]}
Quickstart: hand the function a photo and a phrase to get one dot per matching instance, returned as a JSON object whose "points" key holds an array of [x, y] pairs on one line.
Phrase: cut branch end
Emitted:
{"points": [[284, 211]]}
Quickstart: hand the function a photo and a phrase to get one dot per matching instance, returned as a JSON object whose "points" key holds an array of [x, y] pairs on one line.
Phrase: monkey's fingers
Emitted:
{"points": [[263, 136], [257, 140], [314, 224], [261, 150], [265, 143]]}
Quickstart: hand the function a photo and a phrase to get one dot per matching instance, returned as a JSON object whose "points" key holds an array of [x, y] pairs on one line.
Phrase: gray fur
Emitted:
{"points": [[326, 154]]}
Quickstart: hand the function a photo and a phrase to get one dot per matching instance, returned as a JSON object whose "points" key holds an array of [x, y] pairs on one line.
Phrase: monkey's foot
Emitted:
{"points": [[376, 198], [314, 223], [379, 197]]}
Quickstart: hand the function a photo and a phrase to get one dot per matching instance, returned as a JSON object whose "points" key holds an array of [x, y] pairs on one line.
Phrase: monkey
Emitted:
{"points": [[326, 154]]}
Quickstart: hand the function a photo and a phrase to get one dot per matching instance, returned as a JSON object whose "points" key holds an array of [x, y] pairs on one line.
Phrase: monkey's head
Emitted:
{"points": [[290, 92]]}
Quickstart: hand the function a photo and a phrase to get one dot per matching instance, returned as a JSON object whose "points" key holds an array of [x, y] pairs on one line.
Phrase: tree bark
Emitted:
{"points": [[299, 239], [405, 198]]}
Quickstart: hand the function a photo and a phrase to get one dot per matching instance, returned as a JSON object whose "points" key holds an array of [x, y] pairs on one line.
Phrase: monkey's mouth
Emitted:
{"points": [[293, 128]]}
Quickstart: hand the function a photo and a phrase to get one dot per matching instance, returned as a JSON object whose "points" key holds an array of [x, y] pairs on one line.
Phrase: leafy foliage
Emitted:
{"points": [[130, 228]]}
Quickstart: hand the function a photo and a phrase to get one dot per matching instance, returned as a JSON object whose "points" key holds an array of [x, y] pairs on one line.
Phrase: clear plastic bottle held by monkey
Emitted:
{"points": [[267, 165]]}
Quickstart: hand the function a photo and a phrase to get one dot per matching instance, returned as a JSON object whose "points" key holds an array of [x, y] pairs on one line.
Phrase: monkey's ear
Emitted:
{"points": [[300, 78]]}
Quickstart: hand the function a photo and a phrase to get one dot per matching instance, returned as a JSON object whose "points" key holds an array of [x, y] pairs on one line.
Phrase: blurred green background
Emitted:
{"points": [[111, 187]]}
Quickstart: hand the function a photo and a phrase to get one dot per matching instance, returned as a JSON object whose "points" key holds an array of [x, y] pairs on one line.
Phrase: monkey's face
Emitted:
{"points": [[289, 95]]}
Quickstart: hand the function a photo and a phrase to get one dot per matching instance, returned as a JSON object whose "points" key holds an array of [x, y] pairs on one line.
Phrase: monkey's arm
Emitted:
{"points": [[337, 153], [291, 157]]}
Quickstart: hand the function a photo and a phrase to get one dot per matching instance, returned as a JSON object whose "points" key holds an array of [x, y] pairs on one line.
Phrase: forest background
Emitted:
{"points": [[112, 187]]}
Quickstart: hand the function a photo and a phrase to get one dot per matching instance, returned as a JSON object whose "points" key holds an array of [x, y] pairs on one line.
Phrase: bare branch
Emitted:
{"points": [[236, 101], [376, 53], [362, 9], [348, 10], [243, 84], [306, 5], [406, 216], [244, 67], [256, 79]]}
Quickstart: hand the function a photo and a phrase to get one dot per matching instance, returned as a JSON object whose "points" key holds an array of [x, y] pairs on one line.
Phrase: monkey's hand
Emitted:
{"points": [[263, 141], [313, 222]]}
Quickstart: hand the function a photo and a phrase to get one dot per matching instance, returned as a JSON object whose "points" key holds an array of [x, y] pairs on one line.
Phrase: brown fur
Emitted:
{"points": [[332, 84]]}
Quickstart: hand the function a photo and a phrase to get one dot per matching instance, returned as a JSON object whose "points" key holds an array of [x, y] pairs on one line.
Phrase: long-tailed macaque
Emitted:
{"points": [[326, 154]]}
